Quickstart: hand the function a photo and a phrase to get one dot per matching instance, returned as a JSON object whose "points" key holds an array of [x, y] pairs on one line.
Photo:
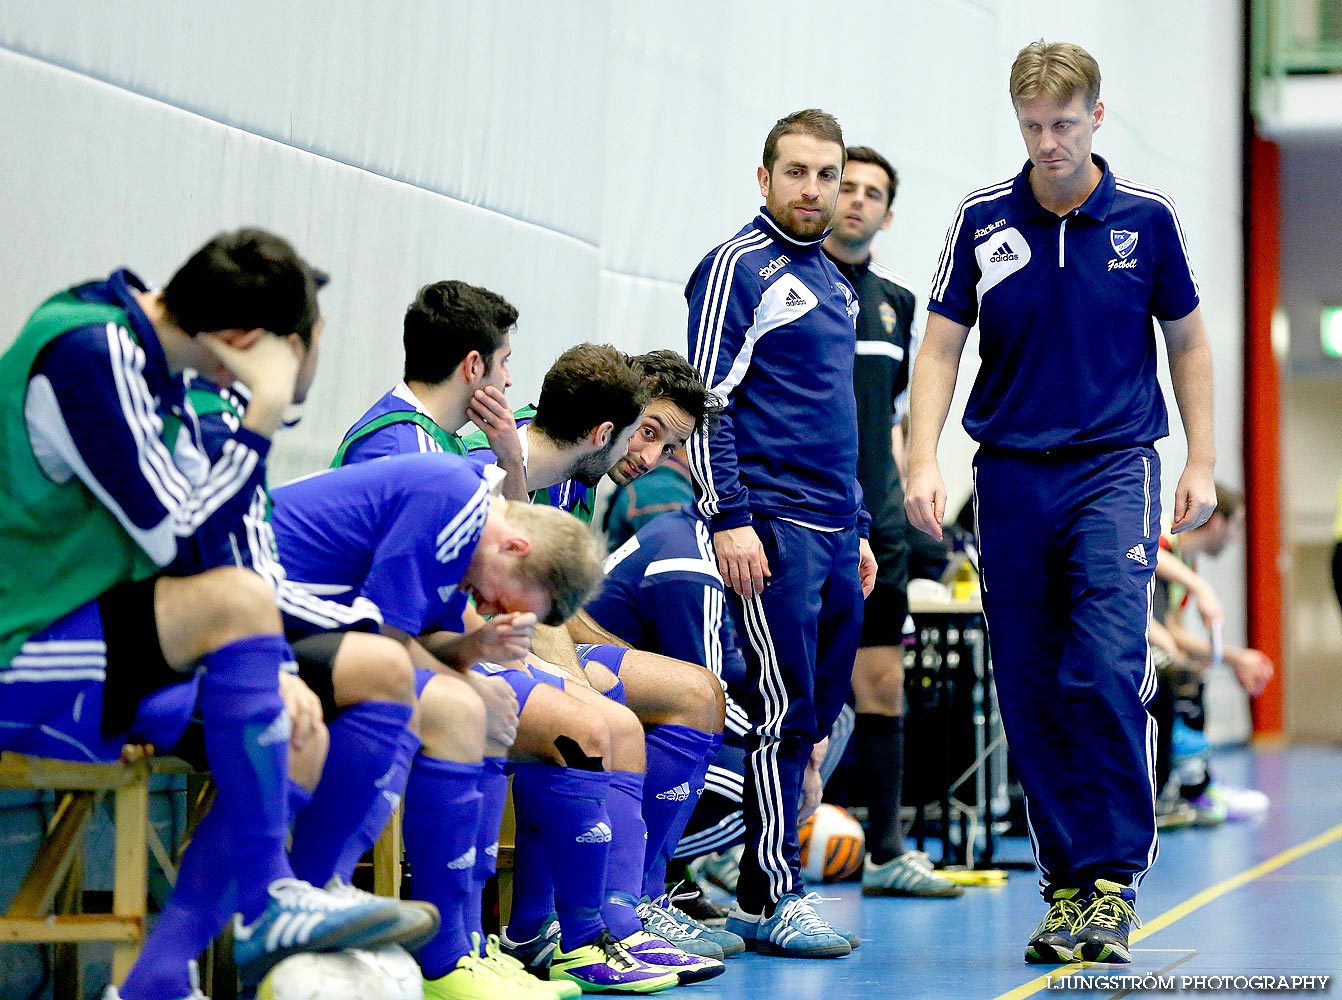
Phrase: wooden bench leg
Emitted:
{"points": [[130, 890], [387, 858], [57, 853]]}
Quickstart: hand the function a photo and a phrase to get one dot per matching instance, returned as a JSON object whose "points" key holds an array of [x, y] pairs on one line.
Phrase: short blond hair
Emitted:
{"points": [[1058, 70], [565, 559]]}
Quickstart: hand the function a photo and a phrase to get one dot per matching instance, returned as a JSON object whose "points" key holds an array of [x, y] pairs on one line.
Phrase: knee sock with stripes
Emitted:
{"points": [[391, 789], [624, 872], [493, 800]]}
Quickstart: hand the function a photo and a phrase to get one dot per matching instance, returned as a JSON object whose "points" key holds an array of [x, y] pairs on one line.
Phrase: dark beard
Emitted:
{"points": [[814, 232], [591, 468]]}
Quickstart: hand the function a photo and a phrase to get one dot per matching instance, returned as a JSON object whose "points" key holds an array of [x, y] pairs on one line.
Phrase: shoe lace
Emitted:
{"points": [[481, 962], [1063, 914], [292, 892], [614, 952], [1109, 910], [660, 921], [918, 859], [801, 911], [669, 900], [494, 950]]}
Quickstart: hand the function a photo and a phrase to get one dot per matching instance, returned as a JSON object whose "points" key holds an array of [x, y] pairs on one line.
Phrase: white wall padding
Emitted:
{"points": [[578, 156]]}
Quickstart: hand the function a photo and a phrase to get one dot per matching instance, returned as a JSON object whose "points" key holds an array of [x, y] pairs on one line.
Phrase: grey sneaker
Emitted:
{"points": [[662, 917], [797, 931], [910, 874]]}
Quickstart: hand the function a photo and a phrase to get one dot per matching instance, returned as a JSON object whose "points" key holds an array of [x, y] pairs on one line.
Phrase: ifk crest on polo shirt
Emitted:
{"points": [[1123, 241]]}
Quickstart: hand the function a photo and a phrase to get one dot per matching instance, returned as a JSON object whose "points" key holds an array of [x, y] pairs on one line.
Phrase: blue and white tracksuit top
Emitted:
{"points": [[771, 331]]}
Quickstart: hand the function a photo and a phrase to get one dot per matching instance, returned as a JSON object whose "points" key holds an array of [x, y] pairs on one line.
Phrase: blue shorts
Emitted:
{"points": [[521, 681], [52, 700], [611, 657]]}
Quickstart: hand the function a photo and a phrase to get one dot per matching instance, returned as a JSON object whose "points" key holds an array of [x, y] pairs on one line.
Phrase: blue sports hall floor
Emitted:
{"points": [[1259, 899]]}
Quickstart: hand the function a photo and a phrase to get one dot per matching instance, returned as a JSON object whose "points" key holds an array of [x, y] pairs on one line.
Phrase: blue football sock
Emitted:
{"points": [[677, 761], [247, 744], [533, 880], [624, 871], [493, 799], [202, 903], [565, 809], [391, 787], [298, 798], [364, 739], [442, 817]]}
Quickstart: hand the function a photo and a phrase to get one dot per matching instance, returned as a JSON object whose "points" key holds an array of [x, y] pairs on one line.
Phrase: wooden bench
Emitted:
{"points": [[46, 908]]}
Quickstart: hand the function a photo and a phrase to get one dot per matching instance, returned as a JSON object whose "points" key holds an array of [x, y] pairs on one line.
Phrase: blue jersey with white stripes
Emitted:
{"points": [[1064, 307], [771, 332], [398, 531], [663, 593], [397, 424]]}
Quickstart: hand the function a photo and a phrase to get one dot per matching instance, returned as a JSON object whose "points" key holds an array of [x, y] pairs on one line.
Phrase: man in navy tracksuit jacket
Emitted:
{"points": [[771, 331], [1064, 268]]}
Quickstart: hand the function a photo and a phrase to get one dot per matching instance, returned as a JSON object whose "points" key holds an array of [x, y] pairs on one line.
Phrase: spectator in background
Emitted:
{"points": [[1183, 747], [887, 326]]}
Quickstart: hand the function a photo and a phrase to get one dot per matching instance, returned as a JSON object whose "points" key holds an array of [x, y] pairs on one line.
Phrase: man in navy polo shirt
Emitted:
{"points": [[1064, 268]]}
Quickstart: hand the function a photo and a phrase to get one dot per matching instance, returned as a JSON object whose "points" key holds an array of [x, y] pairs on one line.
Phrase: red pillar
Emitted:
{"points": [[1262, 422]]}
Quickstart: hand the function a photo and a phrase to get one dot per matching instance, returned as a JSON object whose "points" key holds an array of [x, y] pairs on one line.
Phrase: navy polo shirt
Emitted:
{"points": [[1065, 308]]}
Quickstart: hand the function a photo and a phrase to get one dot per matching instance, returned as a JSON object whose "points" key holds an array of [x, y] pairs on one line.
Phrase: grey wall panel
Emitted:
{"points": [[499, 105]]}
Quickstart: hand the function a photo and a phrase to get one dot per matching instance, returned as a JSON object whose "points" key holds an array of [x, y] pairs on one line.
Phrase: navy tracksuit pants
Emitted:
{"points": [[1068, 556], [799, 639]]}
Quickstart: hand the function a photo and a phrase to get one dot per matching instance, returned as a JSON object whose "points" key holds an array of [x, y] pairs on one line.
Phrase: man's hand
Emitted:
{"points": [[866, 567], [741, 560], [500, 706], [268, 368], [501, 639], [1252, 669], [304, 710], [488, 410], [925, 499], [812, 787], [1194, 499]]}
